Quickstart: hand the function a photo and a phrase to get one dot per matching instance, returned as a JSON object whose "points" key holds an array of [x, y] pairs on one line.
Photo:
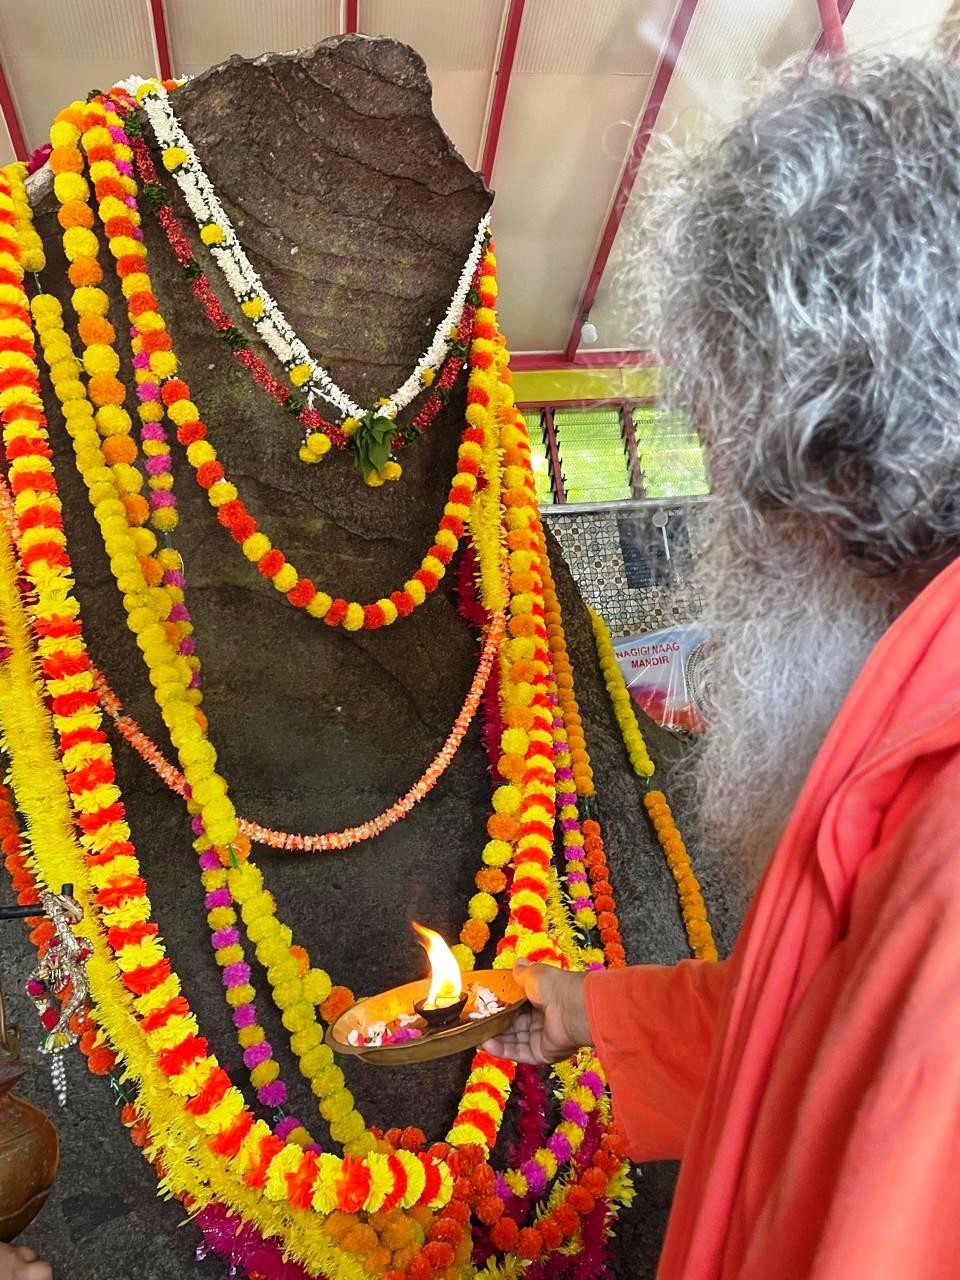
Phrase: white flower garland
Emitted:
{"points": [[249, 290]]}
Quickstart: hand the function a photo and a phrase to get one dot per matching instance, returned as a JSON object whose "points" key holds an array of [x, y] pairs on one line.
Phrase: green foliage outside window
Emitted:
{"points": [[671, 457], [592, 454]]}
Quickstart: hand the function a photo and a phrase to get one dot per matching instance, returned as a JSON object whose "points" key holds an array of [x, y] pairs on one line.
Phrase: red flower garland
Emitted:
{"points": [[203, 291]]}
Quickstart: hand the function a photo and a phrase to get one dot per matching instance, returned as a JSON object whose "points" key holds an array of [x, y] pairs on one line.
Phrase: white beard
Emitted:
{"points": [[791, 626]]}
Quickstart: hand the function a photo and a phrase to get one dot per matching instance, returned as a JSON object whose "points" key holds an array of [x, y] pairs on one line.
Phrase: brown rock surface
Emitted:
{"points": [[358, 213]]}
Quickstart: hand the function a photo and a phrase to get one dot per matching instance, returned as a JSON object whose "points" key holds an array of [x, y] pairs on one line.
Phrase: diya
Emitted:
{"points": [[449, 1012]]}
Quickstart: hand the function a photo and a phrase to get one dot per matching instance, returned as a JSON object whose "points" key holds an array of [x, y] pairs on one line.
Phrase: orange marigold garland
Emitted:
{"points": [[692, 905], [528, 708], [146, 972]]}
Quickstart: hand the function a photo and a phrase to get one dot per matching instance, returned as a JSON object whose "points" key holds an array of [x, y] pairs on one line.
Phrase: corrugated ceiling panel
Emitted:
{"points": [[451, 35], [732, 46], [886, 26], [743, 39], [558, 164], [54, 53], [581, 79], [6, 146], [458, 40], [203, 34], [569, 37]]}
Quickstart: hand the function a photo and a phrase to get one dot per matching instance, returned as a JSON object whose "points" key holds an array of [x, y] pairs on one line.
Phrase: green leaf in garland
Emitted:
{"points": [[154, 196], [294, 404], [233, 338], [192, 269], [133, 125], [372, 442]]}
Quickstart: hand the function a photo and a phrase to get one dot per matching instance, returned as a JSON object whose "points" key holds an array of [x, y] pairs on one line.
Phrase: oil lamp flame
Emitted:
{"points": [[446, 984]]}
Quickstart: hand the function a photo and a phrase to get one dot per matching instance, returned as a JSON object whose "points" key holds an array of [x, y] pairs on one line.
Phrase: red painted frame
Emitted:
{"points": [[555, 361], [632, 452], [501, 86], [553, 453], [158, 24], [633, 402], [11, 118], [351, 17], [833, 14], [628, 176]]}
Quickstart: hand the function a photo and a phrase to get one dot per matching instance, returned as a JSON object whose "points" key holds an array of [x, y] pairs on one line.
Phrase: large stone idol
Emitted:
{"points": [[358, 214]]}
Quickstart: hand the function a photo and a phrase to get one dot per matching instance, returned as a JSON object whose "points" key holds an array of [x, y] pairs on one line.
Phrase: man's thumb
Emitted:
{"points": [[534, 979]]}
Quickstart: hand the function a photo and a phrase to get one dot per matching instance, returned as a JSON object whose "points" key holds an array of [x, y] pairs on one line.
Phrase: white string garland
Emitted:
{"points": [[247, 287]]}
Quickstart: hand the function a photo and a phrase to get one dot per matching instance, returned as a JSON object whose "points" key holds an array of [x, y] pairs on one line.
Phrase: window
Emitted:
{"points": [[592, 455], [598, 453], [671, 458], [539, 456]]}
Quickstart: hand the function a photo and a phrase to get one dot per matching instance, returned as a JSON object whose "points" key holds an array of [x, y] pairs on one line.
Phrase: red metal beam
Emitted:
{"points": [[158, 25], [351, 17], [501, 86], [641, 140], [833, 14], [11, 118], [553, 454], [551, 361], [602, 402], [644, 132]]}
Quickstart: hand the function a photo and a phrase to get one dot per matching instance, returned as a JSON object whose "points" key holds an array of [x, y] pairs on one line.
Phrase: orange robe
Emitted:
{"points": [[811, 1083]]}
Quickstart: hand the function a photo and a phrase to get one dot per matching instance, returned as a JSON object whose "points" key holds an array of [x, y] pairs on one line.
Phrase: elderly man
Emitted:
{"points": [[808, 290]]}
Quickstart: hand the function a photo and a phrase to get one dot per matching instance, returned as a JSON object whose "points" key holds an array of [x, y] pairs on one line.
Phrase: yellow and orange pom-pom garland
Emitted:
{"points": [[390, 1206]]}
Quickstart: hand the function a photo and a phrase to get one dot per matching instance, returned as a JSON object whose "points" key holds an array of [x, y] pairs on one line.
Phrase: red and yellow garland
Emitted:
{"points": [[186, 1101]]}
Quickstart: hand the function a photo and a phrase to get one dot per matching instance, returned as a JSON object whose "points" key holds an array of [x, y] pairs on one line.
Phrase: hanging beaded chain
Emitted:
{"points": [[61, 970]]}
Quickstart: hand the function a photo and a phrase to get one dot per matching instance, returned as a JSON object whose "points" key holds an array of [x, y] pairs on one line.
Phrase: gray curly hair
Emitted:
{"points": [[804, 275], [805, 282]]}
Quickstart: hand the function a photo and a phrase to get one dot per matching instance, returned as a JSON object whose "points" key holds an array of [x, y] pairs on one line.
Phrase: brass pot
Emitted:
{"points": [[29, 1145]]}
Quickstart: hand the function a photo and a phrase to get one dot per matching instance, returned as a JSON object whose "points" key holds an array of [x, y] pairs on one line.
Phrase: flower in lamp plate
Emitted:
{"points": [[371, 1036], [485, 1004]]}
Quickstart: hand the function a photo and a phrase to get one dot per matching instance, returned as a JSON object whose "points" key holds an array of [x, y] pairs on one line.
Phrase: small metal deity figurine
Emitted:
{"points": [[62, 966]]}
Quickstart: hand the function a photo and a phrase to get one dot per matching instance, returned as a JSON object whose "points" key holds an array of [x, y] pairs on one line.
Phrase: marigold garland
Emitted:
{"points": [[528, 706], [326, 1080], [563, 672], [256, 303], [90, 303], [620, 698], [48, 301], [692, 906], [329, 841], [39, 783], [314, 425], [182, 1054]]}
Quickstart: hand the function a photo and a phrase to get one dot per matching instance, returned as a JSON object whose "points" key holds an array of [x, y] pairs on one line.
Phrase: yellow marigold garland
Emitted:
{"points": [[32, 255], [693, 909], [563, 670], [81, 248], [110, 872], [620, 698], [298, 1013], [533, 809], [200, 1071]]}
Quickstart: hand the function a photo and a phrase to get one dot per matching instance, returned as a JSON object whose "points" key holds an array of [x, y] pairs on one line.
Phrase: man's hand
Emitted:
{"points": [[17, 1262], [555, 1027]]}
